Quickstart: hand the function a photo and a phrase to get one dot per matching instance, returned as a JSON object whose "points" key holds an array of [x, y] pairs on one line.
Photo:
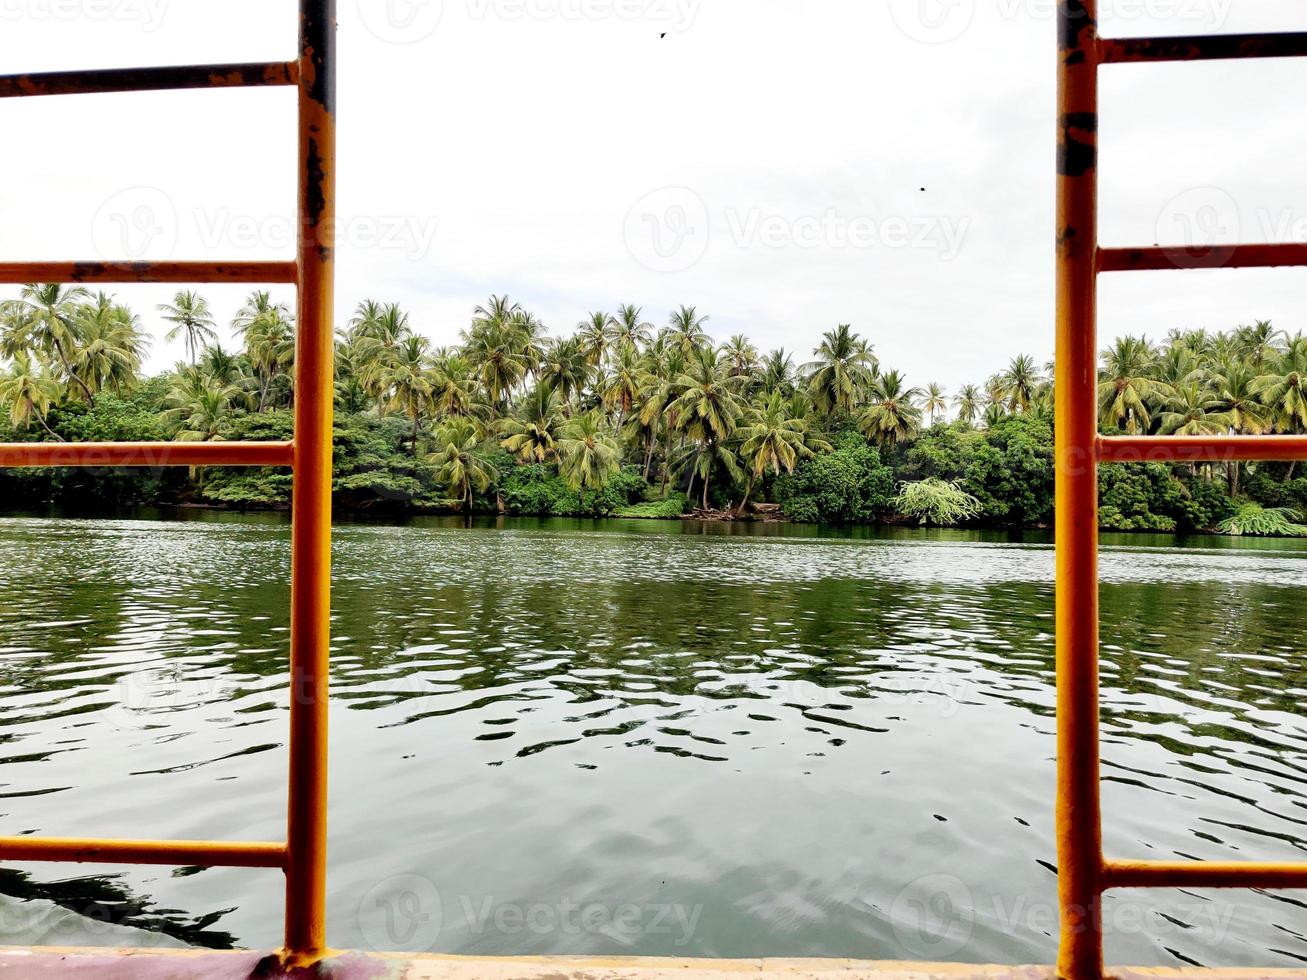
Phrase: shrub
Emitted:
{"points": [[847, 486], [668, 508], [1265, 521], [935, 501]]}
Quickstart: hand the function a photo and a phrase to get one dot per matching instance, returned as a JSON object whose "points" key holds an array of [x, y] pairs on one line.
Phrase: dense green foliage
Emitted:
{"points": [[621, 418]]}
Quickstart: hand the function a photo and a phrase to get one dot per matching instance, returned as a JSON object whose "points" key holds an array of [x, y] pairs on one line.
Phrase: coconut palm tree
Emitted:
{"points": [[590, 455], [1129, 385], [199, 409], [459, 461], [968, 402], [1236, 388], [705, 407], [192, 321], [620, 388], [1194, 410], [28, 392], [628, 329], [774, 439], [47, 314], [592, 338], [842, 372], [685, 329], [936, 401], [565, 367], [110, 346], [454, 388], [533, 432], [741, 355], [778, 373], [1020, 381], [403, 374], [893, 414]]}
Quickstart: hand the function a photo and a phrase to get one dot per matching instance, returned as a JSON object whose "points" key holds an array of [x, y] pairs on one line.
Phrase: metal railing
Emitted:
{"points": [[303, 855], [1084, 873]]}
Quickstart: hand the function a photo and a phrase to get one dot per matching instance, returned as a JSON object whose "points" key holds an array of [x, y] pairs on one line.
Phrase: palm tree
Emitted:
{"points": [[1020, 382], [28, 391], [1236, 388], [1284, 388], [459, 461], [1258, 344], [592, 337], [590, 455], [741, 355], [110, 346], [199, 409], [404, 374], [686, 330], [893, 415], [189, 313], [47, 313], [936, 402], [842, 372], [1195, 410], [705, 406], [774, 439], [968, 403], [1129, 385], [628, 329], [533, 432], [454, 390], [565, 367], [778, 372], [620, 389]]}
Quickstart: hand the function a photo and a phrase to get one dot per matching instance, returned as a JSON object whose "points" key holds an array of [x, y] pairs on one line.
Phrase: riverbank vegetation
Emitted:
{"points": [[624, 417]]}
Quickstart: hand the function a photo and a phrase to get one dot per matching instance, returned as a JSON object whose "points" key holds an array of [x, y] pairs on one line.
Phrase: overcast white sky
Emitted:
{"points": [[764, 161]]}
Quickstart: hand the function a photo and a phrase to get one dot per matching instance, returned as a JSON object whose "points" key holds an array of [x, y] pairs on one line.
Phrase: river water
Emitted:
{"points": [[649, 738]]}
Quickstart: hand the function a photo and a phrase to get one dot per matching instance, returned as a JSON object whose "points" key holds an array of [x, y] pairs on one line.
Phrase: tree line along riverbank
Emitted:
{"points": [[621, 418]]}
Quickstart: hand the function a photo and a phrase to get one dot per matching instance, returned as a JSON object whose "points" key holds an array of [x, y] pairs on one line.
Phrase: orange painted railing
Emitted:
{"points": [[303, 856], [1084, 874]]}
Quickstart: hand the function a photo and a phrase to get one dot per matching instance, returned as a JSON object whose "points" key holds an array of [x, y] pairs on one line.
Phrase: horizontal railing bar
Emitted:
{"points": [[1202, 257], [1203, 874], [101, 81], [145, 454], [1200, 449], [17, 273], [236, 854], [1213, 47]]}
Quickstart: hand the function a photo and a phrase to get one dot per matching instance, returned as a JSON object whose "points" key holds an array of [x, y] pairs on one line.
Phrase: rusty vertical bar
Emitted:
{"points": [[306, 832], [1079, 823]]}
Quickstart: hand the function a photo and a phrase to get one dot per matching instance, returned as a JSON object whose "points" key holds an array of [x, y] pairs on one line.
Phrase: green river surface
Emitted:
{"points": [[673, 739]]}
